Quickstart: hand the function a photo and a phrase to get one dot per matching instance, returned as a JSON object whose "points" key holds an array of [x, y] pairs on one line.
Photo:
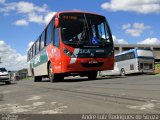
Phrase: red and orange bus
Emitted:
{"points": [[73, 43]]}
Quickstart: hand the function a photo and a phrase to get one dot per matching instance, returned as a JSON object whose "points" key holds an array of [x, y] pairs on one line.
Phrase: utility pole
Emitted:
{"points": [[0, 60]]}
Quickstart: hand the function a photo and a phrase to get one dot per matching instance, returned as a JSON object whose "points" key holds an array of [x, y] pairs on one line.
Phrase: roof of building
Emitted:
{"points": [[136, 45]]}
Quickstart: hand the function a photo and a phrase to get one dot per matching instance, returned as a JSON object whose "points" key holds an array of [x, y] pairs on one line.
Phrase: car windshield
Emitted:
{"points": [[86, 29], [3, 70]]}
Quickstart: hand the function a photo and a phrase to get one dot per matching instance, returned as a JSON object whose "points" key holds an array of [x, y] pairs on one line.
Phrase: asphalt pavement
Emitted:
{"points": [[111, 94]]}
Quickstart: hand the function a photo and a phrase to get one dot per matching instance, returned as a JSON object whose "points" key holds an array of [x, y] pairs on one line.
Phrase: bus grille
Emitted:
{"points": [[146, 66], [92, 65]]}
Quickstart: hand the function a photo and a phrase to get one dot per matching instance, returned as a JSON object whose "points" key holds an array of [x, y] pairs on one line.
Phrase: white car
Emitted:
{"points": [[4, 76]]}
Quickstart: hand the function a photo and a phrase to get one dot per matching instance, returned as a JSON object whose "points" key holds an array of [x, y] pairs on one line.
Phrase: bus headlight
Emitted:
{"points": [[68, 53]]}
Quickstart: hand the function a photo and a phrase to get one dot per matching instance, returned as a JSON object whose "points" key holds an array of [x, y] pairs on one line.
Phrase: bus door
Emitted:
{"points": [[53, 51], [57, 52]]}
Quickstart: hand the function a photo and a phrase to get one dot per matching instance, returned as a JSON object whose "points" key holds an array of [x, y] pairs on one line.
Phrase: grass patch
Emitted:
{"points": [[157, 65], [157, 68]]}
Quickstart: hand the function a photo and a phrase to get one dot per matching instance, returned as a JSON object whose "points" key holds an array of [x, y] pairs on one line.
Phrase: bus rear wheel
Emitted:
{"points": [[92, 75], [36, 78], [123, 72]]}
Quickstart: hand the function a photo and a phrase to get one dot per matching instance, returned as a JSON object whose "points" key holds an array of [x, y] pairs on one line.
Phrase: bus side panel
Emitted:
{"points": [[133, 66], [41, 70], [29, 68], [54, 57], [137, 66], [39, 63], [130, 66]]}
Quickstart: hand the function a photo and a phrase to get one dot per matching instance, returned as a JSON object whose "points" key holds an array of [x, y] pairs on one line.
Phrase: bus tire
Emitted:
{"points": [[51, 75], [37, 78], [60, 77], [123, 72], [92, 75]]}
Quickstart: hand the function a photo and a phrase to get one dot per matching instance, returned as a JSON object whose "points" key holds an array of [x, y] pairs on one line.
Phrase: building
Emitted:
{"points": [[124, 47]]}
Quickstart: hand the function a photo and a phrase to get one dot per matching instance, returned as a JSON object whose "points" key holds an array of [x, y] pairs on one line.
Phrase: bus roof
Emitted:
{"points": [[73, 11], [58, 13], [131, 50]]}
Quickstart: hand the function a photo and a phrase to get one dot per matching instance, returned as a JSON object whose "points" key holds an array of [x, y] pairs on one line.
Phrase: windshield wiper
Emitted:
{"points": [[87, 28]]}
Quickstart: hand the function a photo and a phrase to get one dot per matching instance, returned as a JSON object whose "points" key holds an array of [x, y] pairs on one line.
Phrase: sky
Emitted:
{"points": [[21, 22]]}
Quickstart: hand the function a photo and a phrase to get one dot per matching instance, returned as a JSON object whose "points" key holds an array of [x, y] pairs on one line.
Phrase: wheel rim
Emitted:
{"points": [[123, 73], [50, 72]]}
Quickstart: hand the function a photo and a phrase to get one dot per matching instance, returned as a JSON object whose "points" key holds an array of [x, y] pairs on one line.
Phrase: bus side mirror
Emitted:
{"points": [[56, 23]]}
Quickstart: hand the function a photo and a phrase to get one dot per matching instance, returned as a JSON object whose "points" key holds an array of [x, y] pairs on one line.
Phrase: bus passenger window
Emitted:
{"points": [[56, 38], [37, 46], [31, 54], [28, 56], [49, 37], [33, 50], [43, 40]]}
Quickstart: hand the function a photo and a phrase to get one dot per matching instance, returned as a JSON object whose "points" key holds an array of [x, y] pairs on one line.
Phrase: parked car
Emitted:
{"points": [[4, 76]]}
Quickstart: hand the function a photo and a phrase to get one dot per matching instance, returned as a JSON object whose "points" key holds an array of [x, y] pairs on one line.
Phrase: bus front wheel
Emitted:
{"points": [[123, 72], [51, 75]]}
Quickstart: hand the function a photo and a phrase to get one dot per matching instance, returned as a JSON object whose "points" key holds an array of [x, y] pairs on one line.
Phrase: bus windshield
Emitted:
{"points": [[85, 29], [145, 53]]}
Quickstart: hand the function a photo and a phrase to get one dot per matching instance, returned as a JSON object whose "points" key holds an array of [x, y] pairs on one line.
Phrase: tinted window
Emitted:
{"points": [[132, 55], [83, 28], [49, 38], [28, 56], [33, 49], [31, 54], [56, 43], [125, 57], [3, 70], [145, 53], [43, 40], [37, 46]]}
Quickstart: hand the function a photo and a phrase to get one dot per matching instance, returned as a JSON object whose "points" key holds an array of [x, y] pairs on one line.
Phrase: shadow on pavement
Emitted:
{"points": [[83, 79], [4, 84]]}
